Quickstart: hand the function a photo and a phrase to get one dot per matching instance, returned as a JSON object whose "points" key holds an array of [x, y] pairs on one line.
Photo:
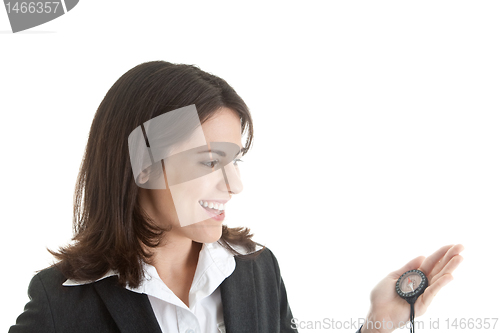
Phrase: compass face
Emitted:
{"points": [[411, 283]]}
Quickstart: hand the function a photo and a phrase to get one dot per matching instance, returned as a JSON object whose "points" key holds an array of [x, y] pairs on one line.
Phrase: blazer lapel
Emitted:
{"points": [[239, 299], [131, 311]]}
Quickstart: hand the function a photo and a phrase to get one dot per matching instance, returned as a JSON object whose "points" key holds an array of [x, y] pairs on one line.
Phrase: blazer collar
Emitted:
{"points": [[132, 312], [239, 299]]}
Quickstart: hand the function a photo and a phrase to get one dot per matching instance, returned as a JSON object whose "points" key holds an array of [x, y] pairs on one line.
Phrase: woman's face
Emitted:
{"points": [[179, 204]]}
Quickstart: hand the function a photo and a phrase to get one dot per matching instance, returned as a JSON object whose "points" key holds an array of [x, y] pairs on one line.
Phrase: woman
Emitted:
{"points": [[151, 253]]}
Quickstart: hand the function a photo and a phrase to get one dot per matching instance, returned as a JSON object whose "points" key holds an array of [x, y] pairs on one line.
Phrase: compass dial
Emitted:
{"points": [[411, 283]]}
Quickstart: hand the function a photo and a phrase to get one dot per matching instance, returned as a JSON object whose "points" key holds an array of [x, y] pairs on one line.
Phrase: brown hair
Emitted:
{"points": [[108, 222]]}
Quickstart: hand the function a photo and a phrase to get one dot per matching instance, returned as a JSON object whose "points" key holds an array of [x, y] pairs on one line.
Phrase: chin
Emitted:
{"points": [[213, 235], [206, 232]]}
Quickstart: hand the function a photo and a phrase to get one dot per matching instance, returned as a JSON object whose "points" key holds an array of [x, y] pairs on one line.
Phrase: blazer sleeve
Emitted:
{"points": [[37, 316], [285, 311], [286, 316]]}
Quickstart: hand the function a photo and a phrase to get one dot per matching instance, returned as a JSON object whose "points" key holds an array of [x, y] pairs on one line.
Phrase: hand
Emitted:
{"points": [[387, 306]]}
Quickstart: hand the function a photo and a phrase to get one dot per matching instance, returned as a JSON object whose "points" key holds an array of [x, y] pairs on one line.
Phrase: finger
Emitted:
{"points": [[449, 268], [433, 289], [433, 259], [454, 251], [413, 264]]}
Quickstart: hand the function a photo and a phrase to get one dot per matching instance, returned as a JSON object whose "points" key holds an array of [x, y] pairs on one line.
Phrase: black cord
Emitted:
{"points": [[412, 318]]}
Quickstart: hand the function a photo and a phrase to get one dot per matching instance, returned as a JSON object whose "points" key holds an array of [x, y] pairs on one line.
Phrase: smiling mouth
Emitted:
{"points": [[213, 211], [218, 208]]}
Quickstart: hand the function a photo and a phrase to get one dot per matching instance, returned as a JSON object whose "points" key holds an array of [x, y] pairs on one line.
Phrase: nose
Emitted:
{"points": [[232, 182]]}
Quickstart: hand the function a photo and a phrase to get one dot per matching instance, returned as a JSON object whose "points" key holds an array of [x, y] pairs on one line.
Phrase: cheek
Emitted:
{"points": [[186, 197]]}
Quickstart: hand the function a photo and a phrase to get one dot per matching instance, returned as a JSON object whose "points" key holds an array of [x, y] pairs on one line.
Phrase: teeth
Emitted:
{"points": [[218, 206]]}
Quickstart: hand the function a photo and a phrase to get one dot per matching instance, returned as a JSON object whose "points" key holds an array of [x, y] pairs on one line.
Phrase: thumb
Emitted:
{"points": [[413, 264]]}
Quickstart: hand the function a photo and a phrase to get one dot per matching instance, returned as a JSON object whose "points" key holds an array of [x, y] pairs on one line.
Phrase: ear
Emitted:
{"points": [[144, 176]]}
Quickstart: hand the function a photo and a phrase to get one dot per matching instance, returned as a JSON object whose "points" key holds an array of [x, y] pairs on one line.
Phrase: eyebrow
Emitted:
{"points": [[220, 152]]}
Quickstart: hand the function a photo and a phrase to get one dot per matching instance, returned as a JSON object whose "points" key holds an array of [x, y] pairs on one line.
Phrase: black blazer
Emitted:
{"points": [[253, 299]]}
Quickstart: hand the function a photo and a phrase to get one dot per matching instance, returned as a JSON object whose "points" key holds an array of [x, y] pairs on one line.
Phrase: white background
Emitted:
{"points": [[376, 136]]}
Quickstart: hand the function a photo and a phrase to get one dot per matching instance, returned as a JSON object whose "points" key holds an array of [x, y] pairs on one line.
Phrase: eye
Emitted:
{"points": [[211, 164]]}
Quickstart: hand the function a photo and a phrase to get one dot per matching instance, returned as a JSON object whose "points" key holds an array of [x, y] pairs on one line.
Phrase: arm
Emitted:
{"points": [[285, 313], [388, 311], [37, 316]]}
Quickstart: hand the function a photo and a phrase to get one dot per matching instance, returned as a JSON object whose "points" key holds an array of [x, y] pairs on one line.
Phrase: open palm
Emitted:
{"points": [[389, 311]]}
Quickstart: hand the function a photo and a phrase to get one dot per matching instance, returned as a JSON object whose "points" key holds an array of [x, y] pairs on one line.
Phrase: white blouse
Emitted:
{"points": [[204, 314]]}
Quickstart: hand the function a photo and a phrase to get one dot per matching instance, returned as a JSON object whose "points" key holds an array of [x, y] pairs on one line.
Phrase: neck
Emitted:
{"points": [[176, 257]]}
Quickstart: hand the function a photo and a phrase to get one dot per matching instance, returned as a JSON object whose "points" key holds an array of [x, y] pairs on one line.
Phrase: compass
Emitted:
{"points": [[409, 286]]}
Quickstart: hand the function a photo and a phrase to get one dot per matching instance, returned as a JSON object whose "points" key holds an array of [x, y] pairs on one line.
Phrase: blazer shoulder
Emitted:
{"points": [[54, 307], [262, 255], [267, 256], [51, 277], [49, 282], [264, 264], [37, 314]]}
